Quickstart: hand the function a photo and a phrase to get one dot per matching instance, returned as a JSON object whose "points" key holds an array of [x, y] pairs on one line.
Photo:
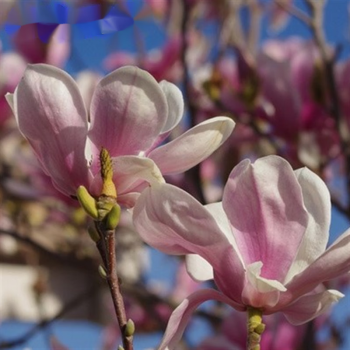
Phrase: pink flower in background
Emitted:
{"points": [[130, 114], [160, 63], [29, 44], [264, 245], [343, 83], [12, 67], [278, 335]]}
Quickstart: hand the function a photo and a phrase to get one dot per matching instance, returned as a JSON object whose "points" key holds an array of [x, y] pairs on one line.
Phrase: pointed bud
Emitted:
{"points": [[113, 217], [87, 202], [102, 271], [129, 328], [93, 233], [108, 187]]}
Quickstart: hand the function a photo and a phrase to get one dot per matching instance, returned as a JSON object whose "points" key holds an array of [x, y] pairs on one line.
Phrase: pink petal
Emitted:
{"points": [[182, 314], [172, 221], [318, 204], [193, 146], [198, 268], [128, 111], [264, 204], [334, 262], [258, 291], [310, 306], [50, 113]]}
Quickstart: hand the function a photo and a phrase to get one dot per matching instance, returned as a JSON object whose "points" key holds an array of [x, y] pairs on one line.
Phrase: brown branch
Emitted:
{"points": [[295, 12], [193, 174], [106, 248], [316, 26], [75, 302], [63, 258]]}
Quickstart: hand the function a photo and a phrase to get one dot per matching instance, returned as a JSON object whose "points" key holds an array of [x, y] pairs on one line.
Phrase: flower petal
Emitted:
{"points": [[181, 315], [175, 104], [260, 292], [334, 262], [264, 204], [193, 146], [310, 306], [172, 221], [128, 111], [198, 268], [51, 114], [318, 204]]}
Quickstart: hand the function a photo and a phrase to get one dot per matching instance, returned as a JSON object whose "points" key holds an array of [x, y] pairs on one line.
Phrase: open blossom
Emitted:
{"points": [[130, 115], [264, 245]]}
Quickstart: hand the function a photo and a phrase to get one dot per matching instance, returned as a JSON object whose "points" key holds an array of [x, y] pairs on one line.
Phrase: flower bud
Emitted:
{"points": [[113, 217], [102, 271], [129, 328], [93, 233], [87, 202]]}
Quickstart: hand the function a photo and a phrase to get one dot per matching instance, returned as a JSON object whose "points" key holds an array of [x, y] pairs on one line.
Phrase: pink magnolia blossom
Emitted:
{"points": [[130, 115], [29, 44], [264, 245]]}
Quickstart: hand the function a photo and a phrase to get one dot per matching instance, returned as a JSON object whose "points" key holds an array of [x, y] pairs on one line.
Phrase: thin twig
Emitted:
{"points": [[294, 11], [75, 302], [106, 248]]}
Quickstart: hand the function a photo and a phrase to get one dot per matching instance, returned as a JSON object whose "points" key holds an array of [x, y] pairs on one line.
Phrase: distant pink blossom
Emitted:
{"points": [[12, 67], [278, 335], [130, 115], [55, 52], [264, 245], [343, 88]]}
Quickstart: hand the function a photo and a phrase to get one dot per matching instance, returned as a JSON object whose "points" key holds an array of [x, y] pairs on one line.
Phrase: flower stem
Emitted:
{"points": [[106, 248], [255, 328]]}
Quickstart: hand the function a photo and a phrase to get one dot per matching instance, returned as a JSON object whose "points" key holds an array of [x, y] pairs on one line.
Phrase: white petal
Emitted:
{"points": [[318, 204], [193, 146]]}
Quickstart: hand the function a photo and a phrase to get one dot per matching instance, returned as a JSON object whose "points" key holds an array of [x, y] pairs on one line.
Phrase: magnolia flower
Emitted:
{"points": [[264, 245], [130, 115]]}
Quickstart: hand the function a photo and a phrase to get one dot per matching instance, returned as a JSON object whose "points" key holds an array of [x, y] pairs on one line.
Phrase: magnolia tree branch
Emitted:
{"points": [[294, 11], [328, 58], [193, 174], [106, 248]]}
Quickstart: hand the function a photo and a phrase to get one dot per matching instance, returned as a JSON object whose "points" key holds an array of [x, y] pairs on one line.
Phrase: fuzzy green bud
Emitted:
{"points": [[129, 328], [102, 271], [87, 202], [113, 217], [93, 233]]}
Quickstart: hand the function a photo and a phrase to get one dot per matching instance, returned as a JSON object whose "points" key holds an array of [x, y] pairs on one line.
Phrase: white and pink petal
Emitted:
{"points": [[193, 146], [128, 112]]}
